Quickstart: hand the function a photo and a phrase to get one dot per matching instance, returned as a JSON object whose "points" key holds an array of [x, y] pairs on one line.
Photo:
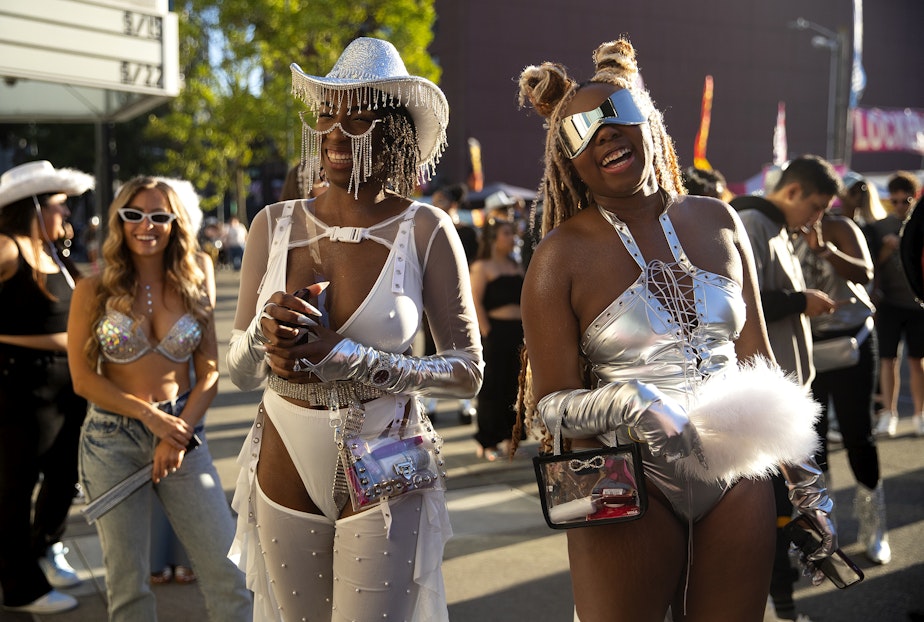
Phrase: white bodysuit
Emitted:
{"points": [[297, 564]]}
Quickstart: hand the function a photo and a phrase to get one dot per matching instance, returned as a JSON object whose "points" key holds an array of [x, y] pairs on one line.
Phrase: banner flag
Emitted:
{"points": [[780, 149], [475, 173], [702, 136], [857, 74]]}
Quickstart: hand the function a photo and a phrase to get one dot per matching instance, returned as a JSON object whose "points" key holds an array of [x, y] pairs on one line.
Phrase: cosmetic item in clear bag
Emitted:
{"points": [[402, 459], [591, 487]]}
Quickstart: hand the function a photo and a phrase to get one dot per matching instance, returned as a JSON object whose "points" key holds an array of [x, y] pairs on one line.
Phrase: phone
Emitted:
{"points": [[839, 569], [306, 334], [194, 442]]}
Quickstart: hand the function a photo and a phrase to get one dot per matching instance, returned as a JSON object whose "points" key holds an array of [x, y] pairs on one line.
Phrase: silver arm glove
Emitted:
{"points": [[809, 494], [650, 415], [452, 373], [246, 355]]}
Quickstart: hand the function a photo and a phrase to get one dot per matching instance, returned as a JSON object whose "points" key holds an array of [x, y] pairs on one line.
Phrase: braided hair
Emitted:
{"points": [[549, 90]]}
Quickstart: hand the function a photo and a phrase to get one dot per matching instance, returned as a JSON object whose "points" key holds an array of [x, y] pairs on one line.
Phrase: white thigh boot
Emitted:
{"points": [[374, 569], [869, 506], [298, 553]]}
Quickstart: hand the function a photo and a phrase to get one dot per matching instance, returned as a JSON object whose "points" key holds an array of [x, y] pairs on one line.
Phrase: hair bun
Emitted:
{"points": [[544, 86], [616, 57]]}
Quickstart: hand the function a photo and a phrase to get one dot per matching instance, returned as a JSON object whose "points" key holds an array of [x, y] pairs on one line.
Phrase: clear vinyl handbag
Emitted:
{"points": [[591, 487], [401, 459]]}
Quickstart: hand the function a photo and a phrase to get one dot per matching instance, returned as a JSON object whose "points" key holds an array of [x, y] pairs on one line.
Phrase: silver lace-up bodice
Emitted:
{"points": [[675, 325]]}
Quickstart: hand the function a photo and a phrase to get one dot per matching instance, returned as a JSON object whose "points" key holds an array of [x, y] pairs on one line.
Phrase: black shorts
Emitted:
{"points": [[896, 323]]}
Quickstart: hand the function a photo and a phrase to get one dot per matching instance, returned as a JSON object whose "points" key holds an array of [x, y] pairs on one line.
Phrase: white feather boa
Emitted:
{"points": [[750, 421]]}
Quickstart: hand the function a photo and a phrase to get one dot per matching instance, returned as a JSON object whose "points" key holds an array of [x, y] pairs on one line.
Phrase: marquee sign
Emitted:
{"points": [[71, 60]]}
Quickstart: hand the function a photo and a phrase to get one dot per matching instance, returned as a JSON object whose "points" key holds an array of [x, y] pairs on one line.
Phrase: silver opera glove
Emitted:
{"points": [[650, 416], [808, 493], [452, 373]]}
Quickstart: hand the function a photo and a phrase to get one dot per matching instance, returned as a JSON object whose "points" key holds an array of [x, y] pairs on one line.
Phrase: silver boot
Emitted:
{"points": [[869, 507]]}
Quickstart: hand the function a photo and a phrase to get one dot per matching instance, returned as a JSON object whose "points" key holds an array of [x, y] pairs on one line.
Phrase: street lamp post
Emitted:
{"points": [[830, 40]]}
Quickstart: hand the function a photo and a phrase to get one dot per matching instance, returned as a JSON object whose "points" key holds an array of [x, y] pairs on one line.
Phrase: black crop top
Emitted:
{"points": [[25, 310], [504, 290]]}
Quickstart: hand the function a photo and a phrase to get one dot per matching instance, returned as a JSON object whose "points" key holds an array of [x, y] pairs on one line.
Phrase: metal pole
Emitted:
{"points": [[832, 98]]}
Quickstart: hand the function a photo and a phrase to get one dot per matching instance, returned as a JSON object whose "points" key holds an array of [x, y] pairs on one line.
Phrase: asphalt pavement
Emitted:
{"points": [[503, 564]]}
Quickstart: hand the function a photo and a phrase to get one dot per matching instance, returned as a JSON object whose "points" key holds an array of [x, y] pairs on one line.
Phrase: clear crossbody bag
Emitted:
{"points": [[403, 458], [591, 487]]}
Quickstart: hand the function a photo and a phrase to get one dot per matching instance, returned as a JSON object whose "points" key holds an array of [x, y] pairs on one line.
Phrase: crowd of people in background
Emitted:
{"points": [[821, 287]]}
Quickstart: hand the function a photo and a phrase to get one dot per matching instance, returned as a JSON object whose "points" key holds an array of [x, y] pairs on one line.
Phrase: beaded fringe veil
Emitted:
{"points": [[311, 155]]}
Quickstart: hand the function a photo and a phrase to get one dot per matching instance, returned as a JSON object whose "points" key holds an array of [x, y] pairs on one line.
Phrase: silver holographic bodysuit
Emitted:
{"points": [[673, 327]]}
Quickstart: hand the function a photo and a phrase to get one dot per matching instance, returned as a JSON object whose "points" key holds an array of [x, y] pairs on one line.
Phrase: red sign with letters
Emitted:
{"points": [[881, 129]]}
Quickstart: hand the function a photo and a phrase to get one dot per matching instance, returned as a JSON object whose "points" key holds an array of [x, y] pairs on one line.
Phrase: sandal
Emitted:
{"points": [[164, 576], [184, 574], [488, 453]]}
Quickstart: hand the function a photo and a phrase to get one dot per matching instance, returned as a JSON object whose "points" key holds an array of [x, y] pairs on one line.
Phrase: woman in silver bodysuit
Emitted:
{"points": [[652, 292], [370, 262]]}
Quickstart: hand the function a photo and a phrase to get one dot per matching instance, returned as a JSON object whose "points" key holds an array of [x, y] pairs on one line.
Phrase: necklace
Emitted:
{"points": [[148, 299]]}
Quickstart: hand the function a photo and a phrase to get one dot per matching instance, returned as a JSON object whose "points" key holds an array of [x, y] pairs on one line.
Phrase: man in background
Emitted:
{"points": [[796, 200]]}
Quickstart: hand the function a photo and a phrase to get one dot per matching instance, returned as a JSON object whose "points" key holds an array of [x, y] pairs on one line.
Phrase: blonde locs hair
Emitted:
{"points": [[118, 282], [549, 89]]}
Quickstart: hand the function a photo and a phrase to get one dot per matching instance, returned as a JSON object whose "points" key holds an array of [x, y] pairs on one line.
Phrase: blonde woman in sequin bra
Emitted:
{"points": [[636, 301], [373, 263], [138, 333]]}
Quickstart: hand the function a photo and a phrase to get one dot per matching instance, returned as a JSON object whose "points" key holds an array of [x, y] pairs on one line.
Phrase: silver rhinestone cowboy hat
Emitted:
{"points": [[370, 65], [40, 177]]}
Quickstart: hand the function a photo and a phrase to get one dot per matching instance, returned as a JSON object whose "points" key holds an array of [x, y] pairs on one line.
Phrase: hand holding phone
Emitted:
{"points": [[838, 568]]}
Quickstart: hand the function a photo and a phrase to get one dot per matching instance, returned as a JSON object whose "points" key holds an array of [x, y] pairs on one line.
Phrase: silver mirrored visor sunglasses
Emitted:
{"points": [[577, 130], [130, 214]]}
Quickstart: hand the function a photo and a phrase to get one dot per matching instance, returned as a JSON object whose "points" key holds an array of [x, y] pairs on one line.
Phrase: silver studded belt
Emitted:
{"points": [[325, 395]]}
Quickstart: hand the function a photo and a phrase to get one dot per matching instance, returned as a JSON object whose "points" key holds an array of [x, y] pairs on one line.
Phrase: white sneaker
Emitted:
{"points": [[58, 572], [887, 424], [835, 436], [52, 602], [917, 425]]}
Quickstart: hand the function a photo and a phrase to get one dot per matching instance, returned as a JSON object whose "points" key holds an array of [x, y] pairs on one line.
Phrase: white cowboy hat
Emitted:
{"points": [[40, 177], [188, 196], [369, 65], [499, 199]]}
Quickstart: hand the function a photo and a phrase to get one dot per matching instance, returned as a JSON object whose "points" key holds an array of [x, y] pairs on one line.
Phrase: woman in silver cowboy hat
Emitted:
{"points": [[338, 368], [40, 416]]}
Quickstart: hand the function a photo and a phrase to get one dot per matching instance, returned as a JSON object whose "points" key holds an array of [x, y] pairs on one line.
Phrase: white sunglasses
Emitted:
{"points": [[132, 215]]}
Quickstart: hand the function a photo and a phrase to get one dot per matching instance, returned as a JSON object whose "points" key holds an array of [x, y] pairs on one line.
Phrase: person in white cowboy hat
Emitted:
{"points": [[367, 264], [40, 416]]}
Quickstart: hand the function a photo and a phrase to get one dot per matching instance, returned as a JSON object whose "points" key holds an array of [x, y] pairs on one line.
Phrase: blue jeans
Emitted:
{"points": [[111, 448]]}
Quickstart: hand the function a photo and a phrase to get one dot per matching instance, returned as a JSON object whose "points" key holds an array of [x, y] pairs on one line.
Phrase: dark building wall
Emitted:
{"points": [[754, 58]]}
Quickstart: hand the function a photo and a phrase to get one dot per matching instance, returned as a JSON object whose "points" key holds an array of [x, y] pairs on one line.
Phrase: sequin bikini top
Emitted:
{"points": [[120, 343]]}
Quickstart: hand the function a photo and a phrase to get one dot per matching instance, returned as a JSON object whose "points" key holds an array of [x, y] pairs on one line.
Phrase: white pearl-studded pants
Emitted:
{"points": [[359, 569], [297, 549]]}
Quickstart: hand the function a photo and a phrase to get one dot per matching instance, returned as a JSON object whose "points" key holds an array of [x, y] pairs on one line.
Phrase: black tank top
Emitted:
{"points": [[25, 310], [504, 290]]}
